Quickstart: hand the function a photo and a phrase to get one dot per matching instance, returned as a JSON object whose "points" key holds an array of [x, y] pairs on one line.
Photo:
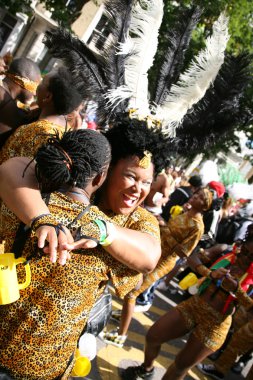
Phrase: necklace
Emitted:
{"points": [[84, 197]]}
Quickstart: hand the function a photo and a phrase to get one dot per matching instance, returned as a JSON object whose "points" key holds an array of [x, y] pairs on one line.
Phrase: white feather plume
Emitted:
{"points": [[142, 41], [194, 82]]}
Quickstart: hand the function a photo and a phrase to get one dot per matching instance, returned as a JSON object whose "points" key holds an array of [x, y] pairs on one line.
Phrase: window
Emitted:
{"points": [[7, 24], [100, 33]]}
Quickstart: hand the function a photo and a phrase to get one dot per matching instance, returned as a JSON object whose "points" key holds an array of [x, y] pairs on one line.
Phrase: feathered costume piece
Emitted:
{"points": [[117, 77], [194, 82], [178, 41], [139, 48], [220, 110]]}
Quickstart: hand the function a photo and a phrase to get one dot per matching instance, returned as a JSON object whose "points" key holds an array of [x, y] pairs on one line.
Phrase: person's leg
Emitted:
{"points": [[240, 343], [126, 315], [170, 326], [129, 300], [193, 352]]}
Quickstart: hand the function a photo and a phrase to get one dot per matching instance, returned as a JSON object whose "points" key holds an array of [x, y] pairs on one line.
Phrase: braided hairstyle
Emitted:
{"points": [[131, 137], [71, 160]]}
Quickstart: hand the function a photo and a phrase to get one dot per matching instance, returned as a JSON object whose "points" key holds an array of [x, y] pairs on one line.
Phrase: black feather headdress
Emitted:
{"points": [[178, 40], [220, 110]]}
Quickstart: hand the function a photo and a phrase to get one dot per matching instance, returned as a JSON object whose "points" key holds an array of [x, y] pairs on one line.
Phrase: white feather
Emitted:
{"points": [[142, 42], [193, 84]]}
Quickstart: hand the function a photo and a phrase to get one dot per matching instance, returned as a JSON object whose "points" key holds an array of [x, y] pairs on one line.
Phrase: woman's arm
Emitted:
{"points": [[21, 195], [138, 250], [20, 191]]}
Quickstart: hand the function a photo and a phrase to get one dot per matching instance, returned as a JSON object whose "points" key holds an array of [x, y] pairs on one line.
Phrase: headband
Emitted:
{"points": [[25, 83]]}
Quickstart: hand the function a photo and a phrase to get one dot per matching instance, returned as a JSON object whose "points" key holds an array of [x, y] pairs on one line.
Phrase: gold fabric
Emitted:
{"points": [[181, 232], [208, 325], [39, 332], [240, 343], [25, 141], [23, 82]]}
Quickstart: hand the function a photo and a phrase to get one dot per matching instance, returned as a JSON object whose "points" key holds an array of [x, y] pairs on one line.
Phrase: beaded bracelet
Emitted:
{"points": [[46, 220]]}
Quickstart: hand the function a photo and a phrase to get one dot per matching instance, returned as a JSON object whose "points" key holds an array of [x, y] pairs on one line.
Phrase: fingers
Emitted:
{"points": [[82, 243], [60, 245], [47, 234]]}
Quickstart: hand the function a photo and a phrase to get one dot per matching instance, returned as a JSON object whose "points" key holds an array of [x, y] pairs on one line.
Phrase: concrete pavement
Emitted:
{"points": [[111, 360]]}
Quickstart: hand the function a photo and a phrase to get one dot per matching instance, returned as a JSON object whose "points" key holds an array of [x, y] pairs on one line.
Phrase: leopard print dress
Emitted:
{"points": [[39, 332]]}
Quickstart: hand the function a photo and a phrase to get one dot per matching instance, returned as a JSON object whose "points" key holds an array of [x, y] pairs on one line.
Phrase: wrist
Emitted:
{"points": [[46, 220], [204, 271], [107, 232]]}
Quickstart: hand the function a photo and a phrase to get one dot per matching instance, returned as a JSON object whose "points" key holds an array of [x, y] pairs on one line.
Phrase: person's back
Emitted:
{"points": [[56, 97], [19, 84]]}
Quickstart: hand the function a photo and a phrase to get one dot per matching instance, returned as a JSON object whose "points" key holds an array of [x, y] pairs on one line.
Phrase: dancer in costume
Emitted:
{"points": [[207, 316], [56, 97], [178, 238], [127, 233]]}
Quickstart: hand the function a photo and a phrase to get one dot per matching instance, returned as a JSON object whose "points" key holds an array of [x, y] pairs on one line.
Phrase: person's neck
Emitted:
{"points": [[51, 115], [193, 213], [80, 195]]}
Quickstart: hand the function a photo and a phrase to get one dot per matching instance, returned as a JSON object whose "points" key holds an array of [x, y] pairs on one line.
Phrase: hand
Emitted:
{"points": [[219, 273], [47, 234], [82, 243], [229, 283]]}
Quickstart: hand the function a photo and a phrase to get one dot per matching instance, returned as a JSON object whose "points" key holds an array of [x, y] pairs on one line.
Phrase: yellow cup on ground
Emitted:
{"points": [[9, 285], [82, 367], [189, 280]]}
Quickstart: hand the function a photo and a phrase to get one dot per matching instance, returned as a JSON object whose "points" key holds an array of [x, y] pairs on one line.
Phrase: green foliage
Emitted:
{"points": [[64, 15], [229, 175]]}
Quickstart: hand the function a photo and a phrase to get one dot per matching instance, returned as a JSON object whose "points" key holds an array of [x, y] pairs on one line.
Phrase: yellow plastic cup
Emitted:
{"points": [[189, 280], [9, 285], [82, 367]]}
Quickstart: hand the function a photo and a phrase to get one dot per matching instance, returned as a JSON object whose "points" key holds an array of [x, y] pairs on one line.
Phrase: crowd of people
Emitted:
{"points": [[87, 207]]}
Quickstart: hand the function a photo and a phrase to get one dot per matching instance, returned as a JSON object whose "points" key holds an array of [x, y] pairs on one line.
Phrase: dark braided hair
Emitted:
{"points": [[131, 137], [72, 160]]}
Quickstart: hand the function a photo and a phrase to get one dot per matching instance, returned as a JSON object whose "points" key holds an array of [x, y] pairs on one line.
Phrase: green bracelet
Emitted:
{"points": [[102, 228]]}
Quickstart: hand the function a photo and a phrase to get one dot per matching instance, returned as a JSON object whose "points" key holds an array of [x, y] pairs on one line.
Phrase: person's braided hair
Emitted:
{"points": [[71, 160], [131, 137]]}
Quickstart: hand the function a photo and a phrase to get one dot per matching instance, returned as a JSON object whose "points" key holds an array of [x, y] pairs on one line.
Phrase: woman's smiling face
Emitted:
{"points": [[127, 186]]}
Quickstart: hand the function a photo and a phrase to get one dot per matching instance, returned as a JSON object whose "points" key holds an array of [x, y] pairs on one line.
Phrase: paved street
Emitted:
{"points": [[111, 360]]}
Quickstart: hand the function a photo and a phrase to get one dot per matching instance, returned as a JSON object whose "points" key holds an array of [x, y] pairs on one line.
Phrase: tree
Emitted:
{"points": [[241, 37], [63, 11]]}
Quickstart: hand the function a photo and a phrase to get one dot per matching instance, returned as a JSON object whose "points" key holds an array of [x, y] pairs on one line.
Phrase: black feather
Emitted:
{"points": [[84, 65], [220, 110], [118, 13], [178, 41]]}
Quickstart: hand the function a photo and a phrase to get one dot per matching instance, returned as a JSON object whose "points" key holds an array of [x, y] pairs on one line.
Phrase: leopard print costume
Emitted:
{"points": [[39, 332], [25, 141]]}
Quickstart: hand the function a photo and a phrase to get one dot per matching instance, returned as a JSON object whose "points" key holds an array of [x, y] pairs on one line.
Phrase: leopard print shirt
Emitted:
{"points": [[39, 332], [25, 141]]}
